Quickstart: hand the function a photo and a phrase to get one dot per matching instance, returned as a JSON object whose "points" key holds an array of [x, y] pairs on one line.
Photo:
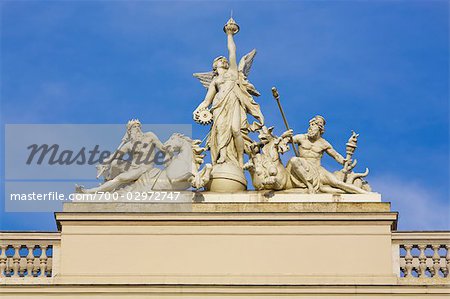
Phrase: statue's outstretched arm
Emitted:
{"points": [[118, 153], [296, 138], [209, 96], [232, 51], [335, 155]]}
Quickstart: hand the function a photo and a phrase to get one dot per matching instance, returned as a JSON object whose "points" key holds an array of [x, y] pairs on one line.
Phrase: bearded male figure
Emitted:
{"points": [[141, 148], [306, 170]]}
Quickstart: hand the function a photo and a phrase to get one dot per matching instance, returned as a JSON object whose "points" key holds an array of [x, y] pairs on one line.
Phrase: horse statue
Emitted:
{"points": [[181, 171]]}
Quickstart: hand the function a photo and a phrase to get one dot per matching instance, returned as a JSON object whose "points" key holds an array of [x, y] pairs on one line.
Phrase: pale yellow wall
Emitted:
{"points": [[226, 253]]}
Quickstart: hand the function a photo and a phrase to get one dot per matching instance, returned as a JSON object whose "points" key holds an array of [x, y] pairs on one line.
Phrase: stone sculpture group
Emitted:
{"points": [[225, 108]]}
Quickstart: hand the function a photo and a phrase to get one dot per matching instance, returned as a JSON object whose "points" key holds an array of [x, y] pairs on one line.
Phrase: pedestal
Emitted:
{"points": [[227, 177], [228, 243]]}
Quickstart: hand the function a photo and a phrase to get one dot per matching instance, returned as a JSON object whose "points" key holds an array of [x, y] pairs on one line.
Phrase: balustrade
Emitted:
{"points": [[422, 255], [28, 255], [418, 257]]}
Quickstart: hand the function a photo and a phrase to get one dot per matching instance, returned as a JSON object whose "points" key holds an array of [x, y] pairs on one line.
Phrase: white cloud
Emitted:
{"points": [[420, 207]]}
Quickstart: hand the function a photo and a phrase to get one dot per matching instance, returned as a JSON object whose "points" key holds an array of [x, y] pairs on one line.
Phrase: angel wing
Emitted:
{"points": [[246, 63], [205, 78], [244, 68]]}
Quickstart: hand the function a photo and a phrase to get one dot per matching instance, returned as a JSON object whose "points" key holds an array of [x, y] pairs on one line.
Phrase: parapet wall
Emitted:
{"points": [[331, 248]]}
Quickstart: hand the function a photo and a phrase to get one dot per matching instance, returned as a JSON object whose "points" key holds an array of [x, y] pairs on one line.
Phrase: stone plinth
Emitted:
{"points": [[293, 195], [232, 243], [283, 196]]}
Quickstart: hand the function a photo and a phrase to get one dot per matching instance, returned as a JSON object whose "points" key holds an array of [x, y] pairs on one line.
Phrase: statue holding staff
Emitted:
{"points": [[307, 171]]}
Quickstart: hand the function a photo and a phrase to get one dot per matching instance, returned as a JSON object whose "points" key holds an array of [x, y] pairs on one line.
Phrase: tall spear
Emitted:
{"points": [[276, 96]]}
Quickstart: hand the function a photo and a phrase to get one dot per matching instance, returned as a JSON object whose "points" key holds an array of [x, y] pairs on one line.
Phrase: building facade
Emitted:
{"points": [[254, 244]]}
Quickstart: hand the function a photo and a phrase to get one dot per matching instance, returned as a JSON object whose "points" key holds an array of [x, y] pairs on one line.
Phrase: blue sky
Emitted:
{"points": [[380, 68]]}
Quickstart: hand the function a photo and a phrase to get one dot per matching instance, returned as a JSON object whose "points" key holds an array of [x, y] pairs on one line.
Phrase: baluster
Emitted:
{"points": [[436, 261], [422, 261], [408, 260], [43, 261], [3, 261], [22, 264], [447, 261], [30, 260], [9, 265], [50, 262], [16, 260], [36, 265]]}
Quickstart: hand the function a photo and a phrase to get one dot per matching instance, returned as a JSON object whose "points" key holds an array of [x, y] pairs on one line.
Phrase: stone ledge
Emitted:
{"points": [[180, 217], [228, 207], [228, 220], [293, 196], [282, 196], [181, 290]]}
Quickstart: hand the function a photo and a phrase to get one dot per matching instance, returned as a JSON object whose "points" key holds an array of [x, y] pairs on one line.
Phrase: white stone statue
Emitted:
{"points": [[264, 165], [306, 170], [226, 106], [230, 99], [201, 177], [176, 168], [181, 171], [118, 171]]}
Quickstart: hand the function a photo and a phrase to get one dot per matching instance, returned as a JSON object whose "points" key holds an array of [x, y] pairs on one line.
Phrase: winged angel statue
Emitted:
{"points": [[230, 98]]}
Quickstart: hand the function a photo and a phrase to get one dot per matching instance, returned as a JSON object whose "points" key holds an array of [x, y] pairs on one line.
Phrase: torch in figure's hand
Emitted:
{"points": [[276, 96], [231, 27], [350, 150]]}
